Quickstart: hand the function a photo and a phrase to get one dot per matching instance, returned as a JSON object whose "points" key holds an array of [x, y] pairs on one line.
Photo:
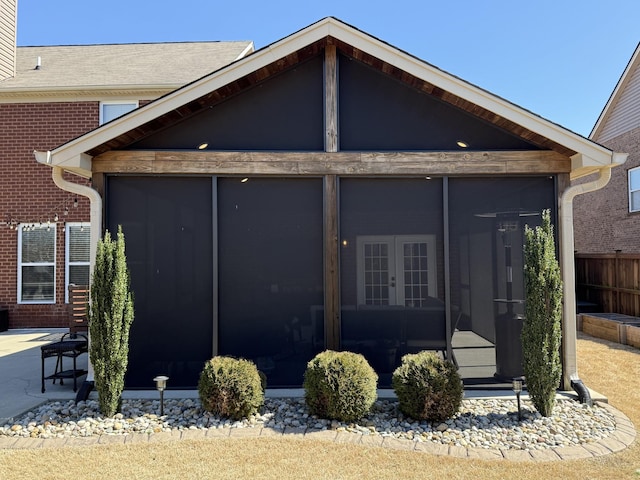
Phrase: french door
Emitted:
{"points": [[396, 269]]}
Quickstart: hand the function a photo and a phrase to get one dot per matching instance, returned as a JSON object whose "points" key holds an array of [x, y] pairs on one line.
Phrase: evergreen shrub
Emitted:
{"points": [[340, 386], [110, 317], [231, 387], [541, 332], [427, 387]]}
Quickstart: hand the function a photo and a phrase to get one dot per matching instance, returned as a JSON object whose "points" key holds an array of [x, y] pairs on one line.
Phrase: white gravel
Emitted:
{"points": [[483, 423]]}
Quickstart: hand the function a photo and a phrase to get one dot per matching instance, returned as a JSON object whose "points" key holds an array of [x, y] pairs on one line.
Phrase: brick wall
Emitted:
{"points": [[602, 221], [27, 193]]}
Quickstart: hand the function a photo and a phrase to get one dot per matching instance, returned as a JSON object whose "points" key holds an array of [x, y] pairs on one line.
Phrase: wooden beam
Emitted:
{"points": [[331, 98], [332, 163], [331, 262]]}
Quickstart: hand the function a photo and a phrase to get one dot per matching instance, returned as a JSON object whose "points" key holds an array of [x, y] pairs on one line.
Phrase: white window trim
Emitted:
{"points": [[136, 104], [629, 173], [67, 263], [36, 264]]}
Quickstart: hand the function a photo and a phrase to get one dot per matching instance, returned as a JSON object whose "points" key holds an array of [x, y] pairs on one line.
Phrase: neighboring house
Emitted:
{"points": [[329, 191], [608, 220], [49, 95]]}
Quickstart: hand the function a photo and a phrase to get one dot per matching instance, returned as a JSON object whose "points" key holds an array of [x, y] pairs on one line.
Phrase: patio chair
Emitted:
{"points": [[73, 343], [78, 309]]}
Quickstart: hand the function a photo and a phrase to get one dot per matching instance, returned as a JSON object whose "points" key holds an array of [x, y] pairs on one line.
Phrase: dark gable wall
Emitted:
{"points": [[283, 113], [379, 113], [376, 113]]}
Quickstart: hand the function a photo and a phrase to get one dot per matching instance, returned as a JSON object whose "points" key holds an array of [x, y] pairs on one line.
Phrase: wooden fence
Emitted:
{"points": [[612, 281]]}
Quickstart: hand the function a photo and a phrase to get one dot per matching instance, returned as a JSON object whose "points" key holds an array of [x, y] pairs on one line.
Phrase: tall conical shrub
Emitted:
{"points": [[541, 333], [110, 318]]}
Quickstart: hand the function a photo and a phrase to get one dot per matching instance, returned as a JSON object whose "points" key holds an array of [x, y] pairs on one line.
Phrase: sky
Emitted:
{"points": [[560, 59]]}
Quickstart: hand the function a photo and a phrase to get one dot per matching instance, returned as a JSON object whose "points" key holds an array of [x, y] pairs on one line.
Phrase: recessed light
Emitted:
{"points": [[244, 180], [462, 144], [202, 146]]}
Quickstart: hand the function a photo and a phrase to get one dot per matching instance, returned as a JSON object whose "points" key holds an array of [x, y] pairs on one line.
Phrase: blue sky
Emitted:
{"points": [[560, 59]]}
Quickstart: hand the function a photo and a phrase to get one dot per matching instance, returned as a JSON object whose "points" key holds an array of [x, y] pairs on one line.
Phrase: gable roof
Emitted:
{"points": [[85, 69], [622, 111], [76, 155]]}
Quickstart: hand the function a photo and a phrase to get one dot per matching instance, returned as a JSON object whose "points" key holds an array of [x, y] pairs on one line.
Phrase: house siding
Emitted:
{"points": [[625, 113], [8, 10], [27, 193], [602, 221]]}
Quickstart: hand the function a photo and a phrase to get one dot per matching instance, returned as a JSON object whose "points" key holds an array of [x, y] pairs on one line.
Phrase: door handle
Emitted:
{"points": [[393, 282]]}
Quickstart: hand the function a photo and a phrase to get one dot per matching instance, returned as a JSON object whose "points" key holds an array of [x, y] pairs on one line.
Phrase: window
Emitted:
{"points": [[634, 189], [77, 256], [36, 264], [112, 110]]}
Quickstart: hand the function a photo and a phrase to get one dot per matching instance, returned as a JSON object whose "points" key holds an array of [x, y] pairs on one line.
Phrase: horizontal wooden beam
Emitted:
{"points": [[331, 163]]}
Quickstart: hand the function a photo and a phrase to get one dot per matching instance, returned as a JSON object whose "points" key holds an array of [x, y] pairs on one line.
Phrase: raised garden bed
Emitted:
{"points": [[614, 327]]}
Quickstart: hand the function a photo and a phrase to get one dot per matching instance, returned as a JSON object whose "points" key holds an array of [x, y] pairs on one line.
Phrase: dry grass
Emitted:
{"points": [[606, 367]]}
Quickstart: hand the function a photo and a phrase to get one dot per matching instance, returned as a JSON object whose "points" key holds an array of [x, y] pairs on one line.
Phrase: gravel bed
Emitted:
{"points": [[481, 423]]}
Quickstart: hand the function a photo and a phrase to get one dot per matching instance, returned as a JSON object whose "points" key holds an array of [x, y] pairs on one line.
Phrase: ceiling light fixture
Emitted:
{"points": [[244, 180], [202, 146], [462, 144]]}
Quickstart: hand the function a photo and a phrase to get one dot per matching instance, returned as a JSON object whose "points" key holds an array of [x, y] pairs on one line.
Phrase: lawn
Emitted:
{"points": [[606, 367]]}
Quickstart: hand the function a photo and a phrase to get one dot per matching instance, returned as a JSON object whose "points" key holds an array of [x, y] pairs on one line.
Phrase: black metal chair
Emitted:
{"points": [[72, 344]]}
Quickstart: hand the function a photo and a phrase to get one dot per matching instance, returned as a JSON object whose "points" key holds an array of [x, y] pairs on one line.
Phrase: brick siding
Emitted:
{"points": [[602, 222], [27, 193]]}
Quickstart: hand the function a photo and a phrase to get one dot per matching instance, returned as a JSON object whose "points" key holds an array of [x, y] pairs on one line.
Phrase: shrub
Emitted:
{"points": [[340, 386], [110, 318], [427, 387], [230, 387], [541, 332]]}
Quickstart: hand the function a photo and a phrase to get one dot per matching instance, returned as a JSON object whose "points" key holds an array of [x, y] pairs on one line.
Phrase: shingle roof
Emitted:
{"points": [[120, 65]]}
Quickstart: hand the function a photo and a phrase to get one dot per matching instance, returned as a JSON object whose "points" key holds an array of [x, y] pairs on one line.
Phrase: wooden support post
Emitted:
{"points": [[331, 98], [331, 271]]}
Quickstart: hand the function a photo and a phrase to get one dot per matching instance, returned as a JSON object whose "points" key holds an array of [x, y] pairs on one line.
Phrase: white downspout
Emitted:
{"points": [[569, 328], [96, 222]]}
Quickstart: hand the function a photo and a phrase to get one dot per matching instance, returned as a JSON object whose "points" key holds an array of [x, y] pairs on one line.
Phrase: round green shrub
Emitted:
{"points": [[340, 386], [427, 387], [230, 387]]}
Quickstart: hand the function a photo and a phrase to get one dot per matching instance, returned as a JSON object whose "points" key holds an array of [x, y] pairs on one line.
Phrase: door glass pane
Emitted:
{"points": [[383, 226], [376, 274], [270, 291]]}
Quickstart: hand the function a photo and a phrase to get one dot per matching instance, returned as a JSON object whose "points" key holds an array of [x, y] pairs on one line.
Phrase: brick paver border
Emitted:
{"points": [[620, 439]]}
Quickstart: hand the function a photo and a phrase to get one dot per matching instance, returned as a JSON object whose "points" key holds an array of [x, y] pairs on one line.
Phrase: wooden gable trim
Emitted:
{"points": [[331, 163]]}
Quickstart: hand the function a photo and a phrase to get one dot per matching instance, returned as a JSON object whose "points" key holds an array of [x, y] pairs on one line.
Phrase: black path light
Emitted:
{"points": [[161, 385], [516, 385]]}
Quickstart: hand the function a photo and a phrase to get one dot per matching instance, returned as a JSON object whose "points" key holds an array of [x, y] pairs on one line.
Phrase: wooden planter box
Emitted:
{"points": [[613, 327], [633, 335]]}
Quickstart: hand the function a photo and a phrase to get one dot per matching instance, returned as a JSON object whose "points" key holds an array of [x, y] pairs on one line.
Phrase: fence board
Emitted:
{"points": [[610, 280]]}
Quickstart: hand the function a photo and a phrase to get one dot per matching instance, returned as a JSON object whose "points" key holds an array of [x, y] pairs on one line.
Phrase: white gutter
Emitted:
{"points": [[96, 222], [569, 335]]}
